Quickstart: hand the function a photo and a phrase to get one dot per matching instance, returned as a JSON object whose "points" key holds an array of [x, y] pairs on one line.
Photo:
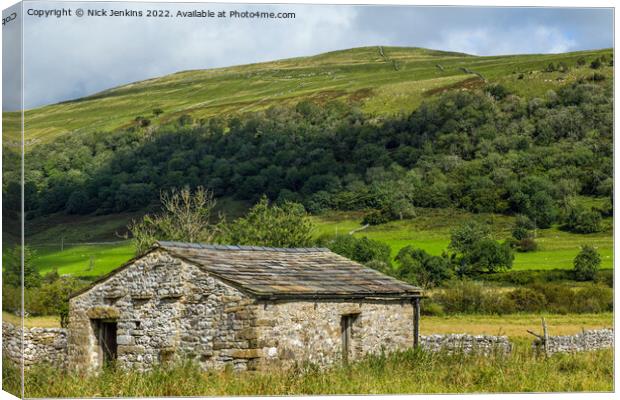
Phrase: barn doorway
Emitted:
{"points": [[106, 336], [346, 329]]}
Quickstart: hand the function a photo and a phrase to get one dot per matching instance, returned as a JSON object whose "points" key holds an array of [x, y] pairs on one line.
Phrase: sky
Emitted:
{"points": [[71, 57]]}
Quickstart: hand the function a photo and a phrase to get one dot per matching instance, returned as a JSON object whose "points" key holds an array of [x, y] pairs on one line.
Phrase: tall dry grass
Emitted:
{"points": [[404, 372]]}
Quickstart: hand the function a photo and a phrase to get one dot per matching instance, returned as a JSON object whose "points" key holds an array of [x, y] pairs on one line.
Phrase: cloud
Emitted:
{"points": [[72, 57], [485, 41]]}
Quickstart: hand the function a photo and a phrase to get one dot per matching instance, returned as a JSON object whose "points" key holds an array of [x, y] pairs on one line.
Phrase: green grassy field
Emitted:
{"points": [[76, 260], [430, 230], [361, 75]]}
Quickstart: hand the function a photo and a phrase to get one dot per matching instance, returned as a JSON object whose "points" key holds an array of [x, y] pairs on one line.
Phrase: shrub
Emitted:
{"points": [[596, 63], [142, 122], [185, 119], [11, 298], [529, 277], [560, 298], [375, 217], [469, 297], [593, 299], [520, 233], [605, 277], [498, 92], [431, 308], [526, 245], [596, 77], [52, 298], [524, 222], [581, 61], [527, 300], [551, 67], [587, 263]]}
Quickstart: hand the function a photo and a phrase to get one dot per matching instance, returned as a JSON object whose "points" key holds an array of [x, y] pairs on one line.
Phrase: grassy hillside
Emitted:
{"points": [[384, 80]]}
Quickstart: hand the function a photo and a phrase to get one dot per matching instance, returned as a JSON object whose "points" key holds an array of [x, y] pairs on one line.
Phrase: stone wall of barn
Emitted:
{"points": [[165, 310], [308, 331]]}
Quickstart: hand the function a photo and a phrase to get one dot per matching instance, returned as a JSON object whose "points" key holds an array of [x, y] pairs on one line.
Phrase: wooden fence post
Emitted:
{"points": [[546, 337]]}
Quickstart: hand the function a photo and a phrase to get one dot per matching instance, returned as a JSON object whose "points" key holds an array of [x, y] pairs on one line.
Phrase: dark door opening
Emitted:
{"points": [[346, 330], [107, 341]]}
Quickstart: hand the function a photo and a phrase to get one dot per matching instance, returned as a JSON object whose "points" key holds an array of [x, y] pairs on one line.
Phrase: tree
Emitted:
{"points": [[523, 227], [369, 252], [464, 237], [12, 274], [542, 210], [53, 297], [419, 267], [487, 255], [522, 233], [580, 220], [185, 216], [586, 263], [286, 225]]}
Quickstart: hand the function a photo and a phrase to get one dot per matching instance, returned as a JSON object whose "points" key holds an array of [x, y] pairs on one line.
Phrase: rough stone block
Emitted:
{"points": [[247, 353], [103, 312]]}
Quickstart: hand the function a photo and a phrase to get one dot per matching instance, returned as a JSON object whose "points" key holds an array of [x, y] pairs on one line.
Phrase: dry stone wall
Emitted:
{"points": [[41, 345], [478, 344], [584, 341]]}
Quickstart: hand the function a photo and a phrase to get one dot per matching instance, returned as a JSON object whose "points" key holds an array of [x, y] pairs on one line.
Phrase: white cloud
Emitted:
{"points": [[494, 41]]}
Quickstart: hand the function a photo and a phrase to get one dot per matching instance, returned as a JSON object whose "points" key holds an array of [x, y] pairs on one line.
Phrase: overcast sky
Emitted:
{"points": [[72, 57]]}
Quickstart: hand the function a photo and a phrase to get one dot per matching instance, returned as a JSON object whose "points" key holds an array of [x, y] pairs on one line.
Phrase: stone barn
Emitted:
{"points": [[244, 306]]}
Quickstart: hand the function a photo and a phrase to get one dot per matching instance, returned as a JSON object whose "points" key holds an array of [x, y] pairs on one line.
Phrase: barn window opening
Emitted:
{"points": [[347, 323], [106, 336]]}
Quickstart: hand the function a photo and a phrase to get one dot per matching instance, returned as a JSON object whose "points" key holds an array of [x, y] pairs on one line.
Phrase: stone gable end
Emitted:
{"points": [[164, 309]]}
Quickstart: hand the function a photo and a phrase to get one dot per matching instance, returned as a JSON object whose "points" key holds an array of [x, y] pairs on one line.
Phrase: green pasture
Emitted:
{"points": [[430, 230], [76, 260]]}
